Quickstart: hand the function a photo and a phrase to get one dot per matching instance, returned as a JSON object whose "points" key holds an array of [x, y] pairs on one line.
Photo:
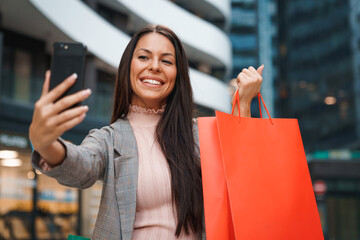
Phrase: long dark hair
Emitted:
{"points": [[174, 131]]}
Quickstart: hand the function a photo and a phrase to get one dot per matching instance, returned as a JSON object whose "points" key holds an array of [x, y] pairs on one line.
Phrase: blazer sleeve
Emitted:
{"points": [[84, 164]]}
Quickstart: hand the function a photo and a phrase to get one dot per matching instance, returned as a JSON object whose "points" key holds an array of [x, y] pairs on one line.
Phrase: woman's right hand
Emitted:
{"points": [[51, 119]]}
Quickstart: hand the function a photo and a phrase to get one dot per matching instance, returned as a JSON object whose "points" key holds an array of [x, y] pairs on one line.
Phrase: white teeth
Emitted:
{"points": [[152, 81]]}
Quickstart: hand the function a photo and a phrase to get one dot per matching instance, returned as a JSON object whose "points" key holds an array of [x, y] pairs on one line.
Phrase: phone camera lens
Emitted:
{"points": [[61, 45]]}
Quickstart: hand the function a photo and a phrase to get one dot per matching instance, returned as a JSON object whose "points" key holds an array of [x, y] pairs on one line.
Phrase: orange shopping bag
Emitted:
{"points": [[267, 178], [218, 222]]}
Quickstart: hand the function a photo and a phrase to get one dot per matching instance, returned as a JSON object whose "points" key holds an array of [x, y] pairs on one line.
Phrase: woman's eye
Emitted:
{"points": [[142, 57], [166, 62]]}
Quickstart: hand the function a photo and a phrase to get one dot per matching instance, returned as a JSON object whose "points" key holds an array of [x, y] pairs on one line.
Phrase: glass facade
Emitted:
{"points": [[317, 77], [243, 35], [339, 209], [344, 215], [254, 40], [319, 85], [16, 196], [34, 206], [21, 61]]}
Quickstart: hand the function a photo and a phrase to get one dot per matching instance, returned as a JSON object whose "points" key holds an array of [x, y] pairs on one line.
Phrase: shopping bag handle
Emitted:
{"points": [[260, 98]]}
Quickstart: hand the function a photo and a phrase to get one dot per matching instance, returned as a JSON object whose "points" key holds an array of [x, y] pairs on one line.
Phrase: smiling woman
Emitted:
{"points": [[159, 75], [153, 71], [148, 158]]}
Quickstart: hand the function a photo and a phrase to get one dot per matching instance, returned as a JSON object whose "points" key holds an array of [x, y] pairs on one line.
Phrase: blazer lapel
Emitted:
{"points": [[126, 175]]}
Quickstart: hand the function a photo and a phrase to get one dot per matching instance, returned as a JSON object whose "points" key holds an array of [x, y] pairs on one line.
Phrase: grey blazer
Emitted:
{"points": [[109, 154]]}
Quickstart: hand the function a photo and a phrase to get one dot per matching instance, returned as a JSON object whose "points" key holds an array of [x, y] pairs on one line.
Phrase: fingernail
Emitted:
{"points": [[83, 115], [85, 108], [72, 78], [87, 92]]}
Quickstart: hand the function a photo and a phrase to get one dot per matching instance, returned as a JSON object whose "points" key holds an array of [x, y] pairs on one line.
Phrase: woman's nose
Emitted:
{"points": [[155, 66]]}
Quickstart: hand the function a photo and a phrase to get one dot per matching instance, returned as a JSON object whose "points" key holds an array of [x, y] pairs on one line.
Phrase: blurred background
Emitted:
{"points": [[311, 53]]}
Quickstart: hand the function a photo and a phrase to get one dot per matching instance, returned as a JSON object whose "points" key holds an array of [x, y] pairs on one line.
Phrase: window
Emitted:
{"points": [[24, 62], [22, 75], [103, 95], [243, 42]]}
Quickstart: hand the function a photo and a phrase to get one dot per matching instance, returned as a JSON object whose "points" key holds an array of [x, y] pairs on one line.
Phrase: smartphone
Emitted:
{"points": [[68, 58]]}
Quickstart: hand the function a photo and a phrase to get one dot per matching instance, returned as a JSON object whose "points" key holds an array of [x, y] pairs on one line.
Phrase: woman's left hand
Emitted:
{"points": [[249, 84]]}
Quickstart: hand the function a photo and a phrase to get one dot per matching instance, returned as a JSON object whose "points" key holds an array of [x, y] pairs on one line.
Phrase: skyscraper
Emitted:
{"points": [[254, 38], [319, 81], [319, 85]]}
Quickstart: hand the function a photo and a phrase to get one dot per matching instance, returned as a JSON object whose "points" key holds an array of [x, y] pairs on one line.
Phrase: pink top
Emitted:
{"points": [[155, 217]]}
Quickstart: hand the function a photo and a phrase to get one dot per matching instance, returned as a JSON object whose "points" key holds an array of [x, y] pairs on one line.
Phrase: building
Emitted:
{"points": [[268, 50], [254, 38], [37, 205], [320, 71], [319, 85], [244, 35]]}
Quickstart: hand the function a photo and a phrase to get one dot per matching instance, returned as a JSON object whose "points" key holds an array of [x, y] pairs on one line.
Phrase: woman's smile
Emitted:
{"points": [[152, 81]]}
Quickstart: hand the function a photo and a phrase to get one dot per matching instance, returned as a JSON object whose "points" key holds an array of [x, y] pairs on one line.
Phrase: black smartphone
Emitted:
{"points": [[68, 58]]}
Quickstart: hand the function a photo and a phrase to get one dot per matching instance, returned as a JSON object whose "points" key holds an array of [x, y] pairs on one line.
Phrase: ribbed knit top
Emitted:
{"points": [[155, 217]]}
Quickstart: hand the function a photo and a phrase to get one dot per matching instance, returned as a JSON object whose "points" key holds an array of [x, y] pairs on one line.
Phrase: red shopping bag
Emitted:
{"points": [[218, 222], [267, 178]]}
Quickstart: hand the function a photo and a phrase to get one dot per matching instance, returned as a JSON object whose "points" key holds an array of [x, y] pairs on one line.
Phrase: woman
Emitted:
{"points": [[148, 157]]}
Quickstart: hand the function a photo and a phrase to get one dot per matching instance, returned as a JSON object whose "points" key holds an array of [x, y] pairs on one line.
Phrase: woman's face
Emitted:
{"points": [[153, 71]]}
